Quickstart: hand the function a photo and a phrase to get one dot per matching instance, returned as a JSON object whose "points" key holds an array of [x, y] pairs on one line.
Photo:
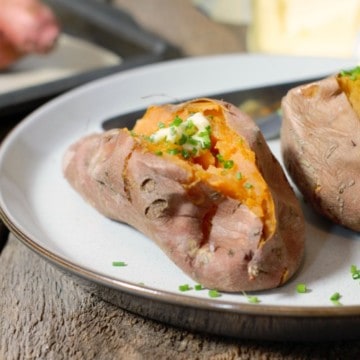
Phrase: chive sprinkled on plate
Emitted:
{"points": [[335, 298], [252, 299], [355, 272], [301, 288], [119, 263], [185, 287], [214, 293]]}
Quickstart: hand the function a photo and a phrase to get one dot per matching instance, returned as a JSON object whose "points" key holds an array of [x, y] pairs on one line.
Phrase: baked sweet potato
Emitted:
{"points": [[199, 179], [320, 139]]}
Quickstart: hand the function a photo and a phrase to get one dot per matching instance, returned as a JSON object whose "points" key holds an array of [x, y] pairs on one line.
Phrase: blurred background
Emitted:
{"points": [[102, 37]]}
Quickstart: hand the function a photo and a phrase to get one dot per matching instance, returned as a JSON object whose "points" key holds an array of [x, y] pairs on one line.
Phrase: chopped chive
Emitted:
{"points": [[158, 152], [206, 144], [335, 298], [248, 186], [228, 164], [301, 288], [239, 176], [192, 141], [198, 287], [173, 151], [251, 299], [220, 158], [161, 125], [352, 73], [185, 154], [119, 263], [183, 139], [177, 121], [173, 130], [185, 287], [355, 272], [214, 293]]}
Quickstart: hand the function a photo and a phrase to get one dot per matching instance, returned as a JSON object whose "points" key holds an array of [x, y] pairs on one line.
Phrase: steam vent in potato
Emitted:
{"points": [[320, 140], [198, 179]]}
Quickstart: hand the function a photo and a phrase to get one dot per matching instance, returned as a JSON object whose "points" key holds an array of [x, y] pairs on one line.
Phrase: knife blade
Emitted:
{"points": [[261, 103]]}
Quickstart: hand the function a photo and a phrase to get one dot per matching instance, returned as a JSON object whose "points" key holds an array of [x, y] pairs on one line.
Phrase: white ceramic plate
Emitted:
{"points": [[70, 56], [43, 210]]}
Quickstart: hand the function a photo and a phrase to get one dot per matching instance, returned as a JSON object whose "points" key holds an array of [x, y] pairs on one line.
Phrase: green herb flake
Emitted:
{"points": [[335, 298], [355, 272], [185, 287], [214, 293], [173, 151], [161, 125], [301, 288], [192, 141], [119, 263], [198, 287], [185, 154], [248, 186], [183, 139], [158, 153], [353, 74], [173, 130], [228, 164], [190, 128], [220, 158], [253, 299], [177, 121], [239, 175]]}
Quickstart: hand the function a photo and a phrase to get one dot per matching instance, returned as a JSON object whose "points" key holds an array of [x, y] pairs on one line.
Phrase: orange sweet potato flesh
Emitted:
{"points": [[227, 232]]}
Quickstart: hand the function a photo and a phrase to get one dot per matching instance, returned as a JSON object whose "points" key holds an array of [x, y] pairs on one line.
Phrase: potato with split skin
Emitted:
{"points": [[199, 179], [320, 140]]}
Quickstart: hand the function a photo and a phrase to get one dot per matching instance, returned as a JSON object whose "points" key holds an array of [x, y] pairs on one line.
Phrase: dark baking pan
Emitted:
{"points": [[100, 24]]}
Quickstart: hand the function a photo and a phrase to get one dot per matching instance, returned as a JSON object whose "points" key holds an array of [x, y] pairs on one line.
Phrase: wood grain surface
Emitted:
{"points": [[46, 314]]}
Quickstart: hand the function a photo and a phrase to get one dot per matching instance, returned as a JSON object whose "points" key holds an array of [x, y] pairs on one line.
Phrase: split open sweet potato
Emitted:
{"points": [[320, 139], [199, 179]]}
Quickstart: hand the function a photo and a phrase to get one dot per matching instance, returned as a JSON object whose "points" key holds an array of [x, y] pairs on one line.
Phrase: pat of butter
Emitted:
{"points": [[199, 138], [297, 27]]}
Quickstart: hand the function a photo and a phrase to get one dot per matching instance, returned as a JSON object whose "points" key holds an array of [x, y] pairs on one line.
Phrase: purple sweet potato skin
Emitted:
{"points": [[213, 238], [320, 140]]}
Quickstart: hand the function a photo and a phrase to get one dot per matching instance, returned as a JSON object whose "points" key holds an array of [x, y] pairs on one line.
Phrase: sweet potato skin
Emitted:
{"points": [[150, 193], [320, 140]]}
